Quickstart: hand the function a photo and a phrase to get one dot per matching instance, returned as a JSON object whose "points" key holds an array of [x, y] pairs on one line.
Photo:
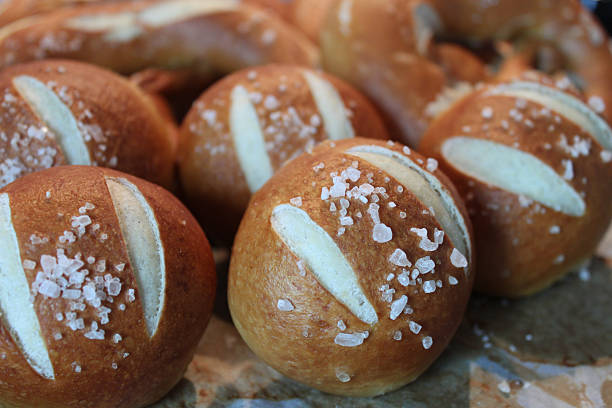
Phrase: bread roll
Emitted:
{"points": [[204, 37], [352, 267], [533, 166], [106, 285], [60, 112], [241, 130]]}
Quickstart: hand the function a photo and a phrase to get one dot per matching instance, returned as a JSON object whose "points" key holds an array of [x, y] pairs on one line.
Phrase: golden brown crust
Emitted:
{"points": [[136, 370], [121, 126], [12, 10], [301, 343], [524, 246], [291, 123], [143, 34], [307, 15]]}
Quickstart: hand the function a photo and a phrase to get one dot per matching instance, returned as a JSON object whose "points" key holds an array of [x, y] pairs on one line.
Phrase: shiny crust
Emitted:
{"points": [[12, 10], [206, 44], [517, 254], [122, 126], [207, 146], [153, 365], [300, 343], [307, 15]]}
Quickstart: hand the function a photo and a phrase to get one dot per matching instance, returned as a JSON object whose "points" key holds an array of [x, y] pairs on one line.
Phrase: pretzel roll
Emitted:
{"points": [[533, 165], [352, 267], [64, 112], [205, 37], [102, 273], [253, 121], [387, 51]]}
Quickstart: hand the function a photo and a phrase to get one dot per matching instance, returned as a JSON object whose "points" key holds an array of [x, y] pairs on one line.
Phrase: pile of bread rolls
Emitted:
{"points": [[368, 168]]}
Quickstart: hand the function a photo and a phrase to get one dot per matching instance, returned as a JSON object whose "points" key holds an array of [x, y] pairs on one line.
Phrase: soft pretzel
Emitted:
{"points": [[241, 130], [532, 163], [352, 267], [107, 285], [398, 64], [59, 112], [205, 37]]}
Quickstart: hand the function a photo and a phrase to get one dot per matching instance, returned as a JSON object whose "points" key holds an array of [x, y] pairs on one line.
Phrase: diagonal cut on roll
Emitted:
{"points": [[532, 163], [352, 267], [252, 122]]}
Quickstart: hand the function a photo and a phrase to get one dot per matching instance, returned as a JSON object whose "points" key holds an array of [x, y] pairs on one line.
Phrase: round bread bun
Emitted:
{"points": [[342, 277], [205, 38], [532, 163], [59, 112], [241, 130], [107, 284]]}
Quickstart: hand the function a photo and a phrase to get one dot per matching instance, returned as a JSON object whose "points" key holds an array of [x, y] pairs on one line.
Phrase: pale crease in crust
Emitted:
{"points": [[249, 142], [18, 314], [309, 242], [563, 103], [330, 106], [428, 189], [56, 116], [127, 25], [514, 171], [144, 246]]}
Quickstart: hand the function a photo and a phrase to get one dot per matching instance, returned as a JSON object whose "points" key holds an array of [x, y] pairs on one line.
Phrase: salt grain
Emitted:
{"points": [[341, 325], [458, 259], [381, 233], [427, 342], [350, 339], [399, 258], [429, 286], [397, 307], [296, 201], [284, 305], [397, 335], [452, 280], [414, 327]]}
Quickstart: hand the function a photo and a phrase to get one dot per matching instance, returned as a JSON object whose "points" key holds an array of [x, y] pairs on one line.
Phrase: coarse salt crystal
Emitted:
{"points": [[429, 286], [404, 278], [568, 169], [555, 229], [346, 221], [559, 259], [390, 277], [353, 174], [350, 339], [117, 338], [343, 376], [432, 165], [414, 327], [130, 295], [397, 335], [606, 156], [427, 342], [397, 307], [487, 112], [284, 305], [324, 193], [452, 280], [29, 264], [425, 264], [504, 387], [296, 201], [597, 104], [458, 259], [406, 150], [381, 233], [341, 325], [399, 258]]}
